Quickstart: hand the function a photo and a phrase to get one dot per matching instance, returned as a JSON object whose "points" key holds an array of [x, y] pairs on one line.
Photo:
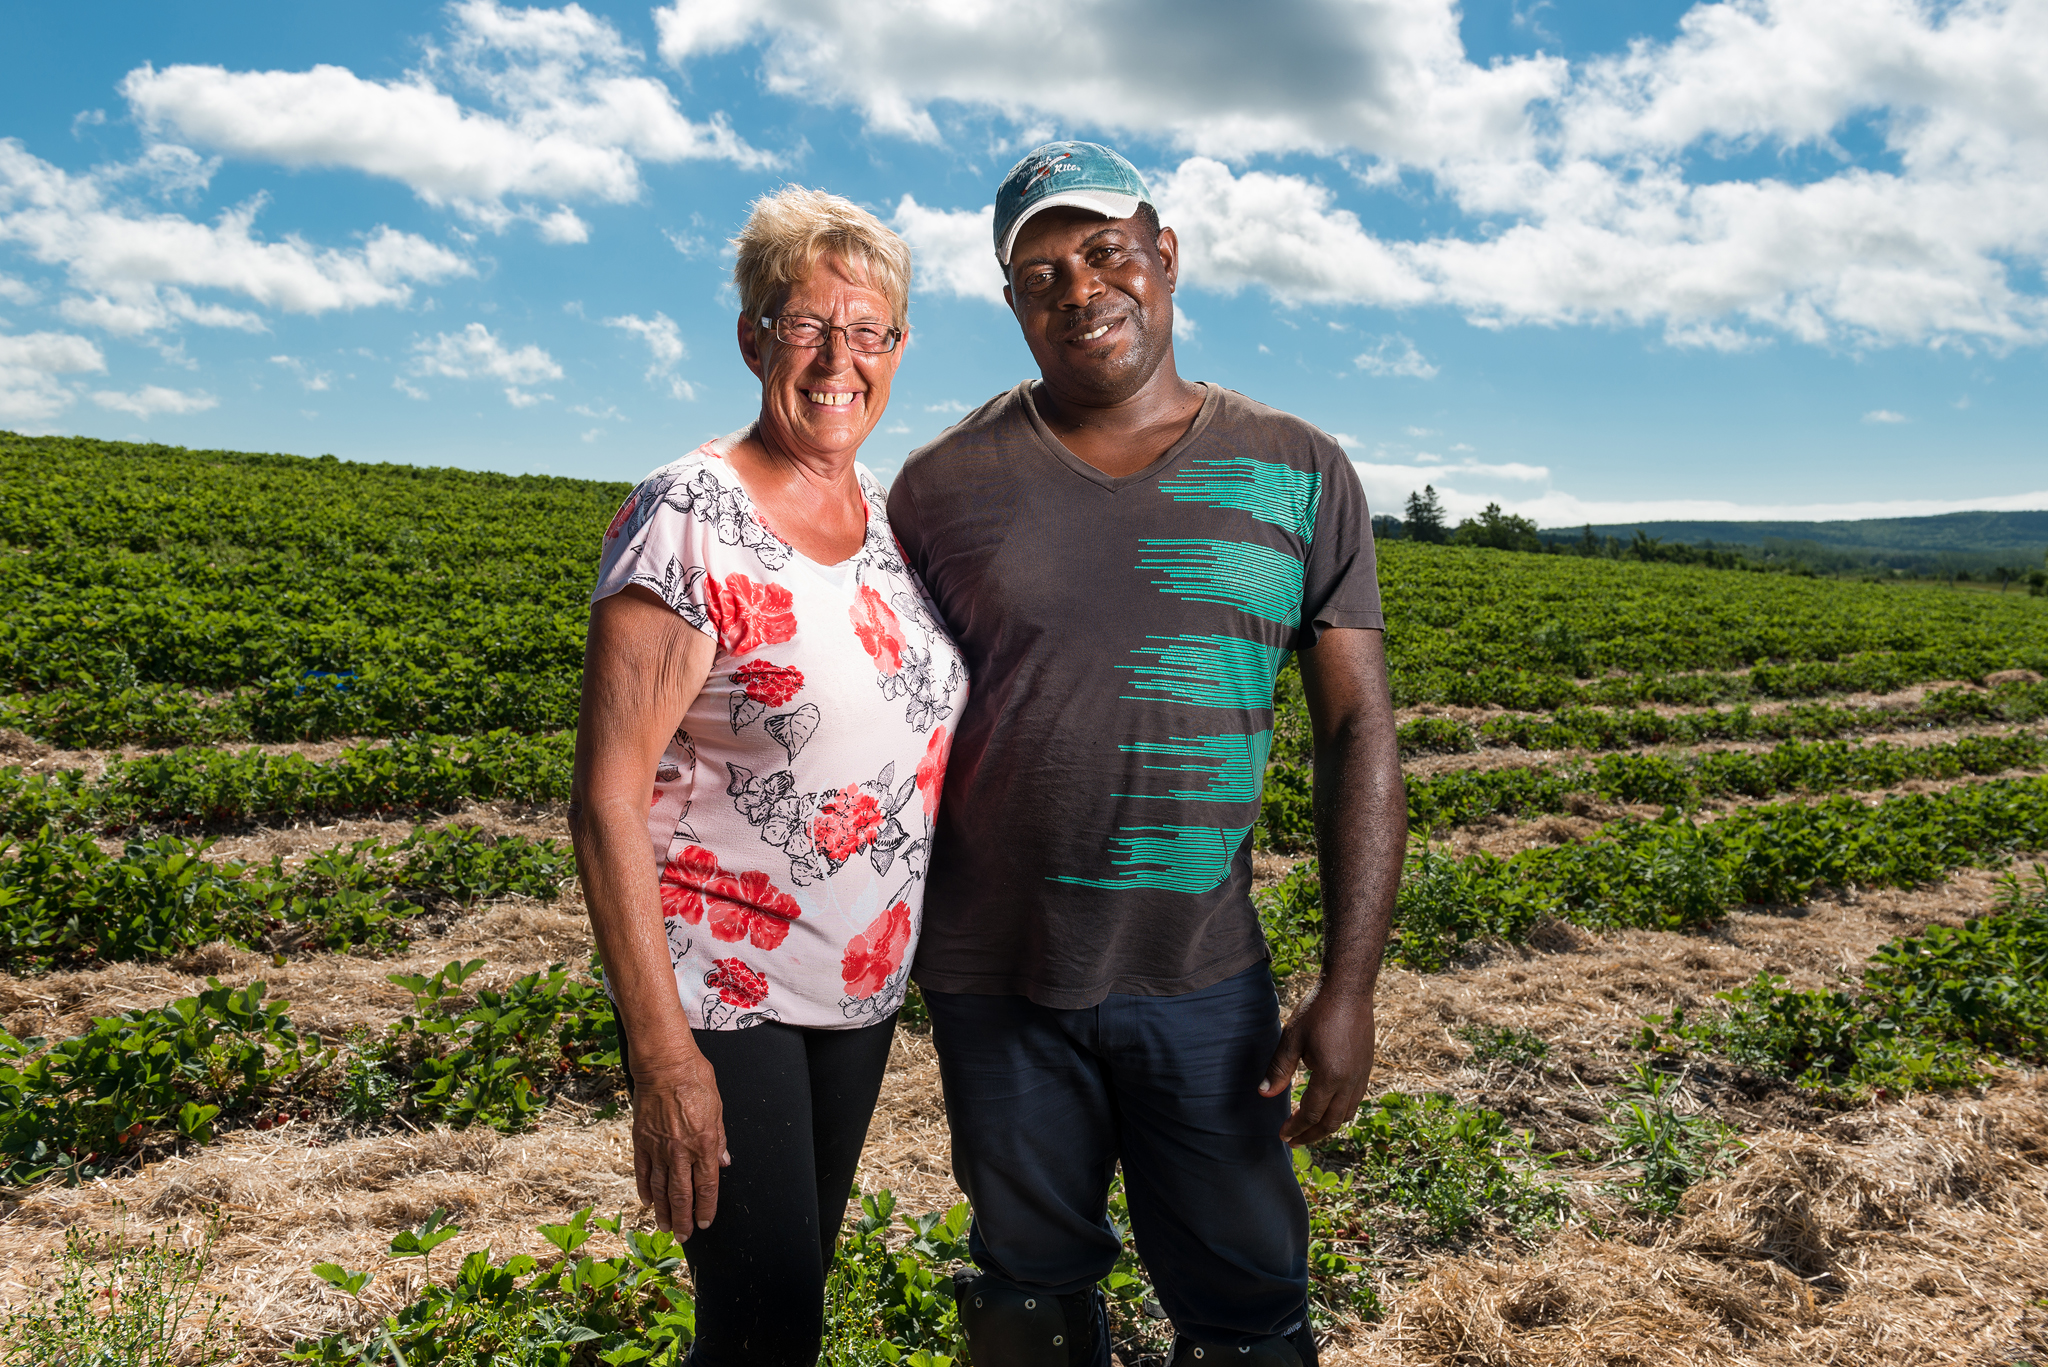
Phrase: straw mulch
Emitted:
{"points": [[1909, 1235]]}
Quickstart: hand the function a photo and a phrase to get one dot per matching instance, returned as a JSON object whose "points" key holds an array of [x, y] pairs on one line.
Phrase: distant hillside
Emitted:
{"points": [[1951, 541]]}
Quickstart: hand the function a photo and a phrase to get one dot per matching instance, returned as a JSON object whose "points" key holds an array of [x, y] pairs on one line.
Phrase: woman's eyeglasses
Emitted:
{"points": [[796, 330]]}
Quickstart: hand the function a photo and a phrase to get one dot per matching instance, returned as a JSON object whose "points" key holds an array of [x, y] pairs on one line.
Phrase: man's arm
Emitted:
{"points": [[1361, 838], [642, 668]]}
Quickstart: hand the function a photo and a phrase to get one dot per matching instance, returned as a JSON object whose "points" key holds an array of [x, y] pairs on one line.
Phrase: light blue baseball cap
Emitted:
{"points": [[1084, 175]]}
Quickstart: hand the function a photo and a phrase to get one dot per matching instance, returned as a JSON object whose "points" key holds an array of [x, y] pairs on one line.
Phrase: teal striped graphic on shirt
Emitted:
{"points": [[1189, 859], [1237, 574], [1268, 490], [1233, 765], [1205, 671]]}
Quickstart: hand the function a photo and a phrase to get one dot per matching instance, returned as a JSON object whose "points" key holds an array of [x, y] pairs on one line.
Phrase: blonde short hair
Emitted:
{"points": [[788, 231]]}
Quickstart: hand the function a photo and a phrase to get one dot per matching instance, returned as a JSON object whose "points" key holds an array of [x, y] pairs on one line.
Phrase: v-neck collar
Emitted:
{"points": [[1057, 449]]}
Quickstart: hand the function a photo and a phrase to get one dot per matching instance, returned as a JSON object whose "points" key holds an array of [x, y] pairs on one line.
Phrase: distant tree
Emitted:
{"points": [[1589, 544], [1425, 519], [1502, 531], [1386, 527]]}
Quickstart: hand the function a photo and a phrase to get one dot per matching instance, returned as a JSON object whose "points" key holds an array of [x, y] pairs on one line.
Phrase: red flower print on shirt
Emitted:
{"points": [[771, 685], [931, 770], [684, 880], [876, 953], [847, 822], [750, 615], [737, 984], [625, 511], [748, 906], [874, 621]]}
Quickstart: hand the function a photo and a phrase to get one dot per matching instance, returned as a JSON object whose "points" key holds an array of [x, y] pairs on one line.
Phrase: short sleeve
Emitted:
{"points": [[657, 542], [1340, 586]]}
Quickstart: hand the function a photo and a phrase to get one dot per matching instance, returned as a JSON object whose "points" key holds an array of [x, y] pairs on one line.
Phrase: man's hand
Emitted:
{"points": [[679, 1144], [1332, 1033]]}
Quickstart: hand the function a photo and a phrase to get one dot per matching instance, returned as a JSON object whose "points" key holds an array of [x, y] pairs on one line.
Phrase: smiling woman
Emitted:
{"points": [[765, 697]]}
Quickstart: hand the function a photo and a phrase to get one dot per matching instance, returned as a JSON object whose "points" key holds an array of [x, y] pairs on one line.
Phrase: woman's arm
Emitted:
{"points": [[642, 668]]}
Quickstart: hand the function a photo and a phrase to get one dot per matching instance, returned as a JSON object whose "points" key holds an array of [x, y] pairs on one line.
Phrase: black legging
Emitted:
{"points": [[797, 1104]]}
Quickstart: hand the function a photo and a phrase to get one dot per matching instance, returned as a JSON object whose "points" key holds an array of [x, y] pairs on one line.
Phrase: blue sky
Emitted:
{"points": [[1602, 261]]}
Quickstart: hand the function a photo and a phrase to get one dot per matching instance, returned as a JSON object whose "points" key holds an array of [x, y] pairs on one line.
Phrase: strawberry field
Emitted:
{"points": [[1711, 1033]]}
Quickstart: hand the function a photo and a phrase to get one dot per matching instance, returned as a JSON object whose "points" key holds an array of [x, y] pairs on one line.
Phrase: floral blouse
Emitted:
{"points": [[792, 811]]}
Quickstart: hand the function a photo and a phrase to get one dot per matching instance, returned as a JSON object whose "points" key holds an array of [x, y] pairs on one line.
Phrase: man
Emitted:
{"points": [[1125, 558]]}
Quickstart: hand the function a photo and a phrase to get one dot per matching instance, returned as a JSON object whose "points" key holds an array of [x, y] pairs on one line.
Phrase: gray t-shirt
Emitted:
{"points": [[1122, 638]]}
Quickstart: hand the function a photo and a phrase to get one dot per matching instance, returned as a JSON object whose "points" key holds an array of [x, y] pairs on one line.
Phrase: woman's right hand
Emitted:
{"points": [[678, 1143]]}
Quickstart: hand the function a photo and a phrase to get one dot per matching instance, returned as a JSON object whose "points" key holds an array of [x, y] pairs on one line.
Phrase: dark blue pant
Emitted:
{"points": [[1044, 1104]]}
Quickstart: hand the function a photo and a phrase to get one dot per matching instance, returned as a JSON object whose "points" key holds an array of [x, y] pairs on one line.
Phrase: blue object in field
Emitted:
{"points": [[341, 681]]}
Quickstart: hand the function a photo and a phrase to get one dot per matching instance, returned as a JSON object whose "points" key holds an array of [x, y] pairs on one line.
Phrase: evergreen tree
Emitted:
{"points": [[1425, 517]]}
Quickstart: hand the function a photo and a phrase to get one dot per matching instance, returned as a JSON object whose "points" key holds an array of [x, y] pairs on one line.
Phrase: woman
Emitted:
{"points": [[761, 661]]}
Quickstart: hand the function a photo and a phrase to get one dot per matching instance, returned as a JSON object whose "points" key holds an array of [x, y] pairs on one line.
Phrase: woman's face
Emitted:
{"points": [[822, 401]]}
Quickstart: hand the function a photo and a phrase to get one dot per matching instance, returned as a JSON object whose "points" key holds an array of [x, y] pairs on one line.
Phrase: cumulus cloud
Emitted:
{"points": [[564, 113], [31, 369], [153, 399], [1885, 415], [1605, 192], [665, 343], [475, 353], [1386, 76], [954, 249], [134, 266]]}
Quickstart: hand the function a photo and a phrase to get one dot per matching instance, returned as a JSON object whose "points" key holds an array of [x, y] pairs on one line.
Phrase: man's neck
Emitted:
{"points": [[1122, 436]]}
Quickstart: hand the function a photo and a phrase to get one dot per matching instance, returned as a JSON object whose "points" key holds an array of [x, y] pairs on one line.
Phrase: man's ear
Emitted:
{"points": [[1169, 256], [1009, 300]]}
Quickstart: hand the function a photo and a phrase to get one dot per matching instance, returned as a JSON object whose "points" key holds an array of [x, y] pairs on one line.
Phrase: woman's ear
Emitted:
{"points": [[750, 346]]}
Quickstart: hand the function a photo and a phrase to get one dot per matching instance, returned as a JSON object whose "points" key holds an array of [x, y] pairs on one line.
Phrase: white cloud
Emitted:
{"points": [[665, 342], [1388, 77], [897, 429], [566, 116], [152, 399], [411, 391], [946, 406], [476, 353], [16, 291], [1420, 431], [134, 265], [1557, 509], [954, 249], [1395, 355], [1606, 192], [1885, 415], [1184, 325], [31, 367]]}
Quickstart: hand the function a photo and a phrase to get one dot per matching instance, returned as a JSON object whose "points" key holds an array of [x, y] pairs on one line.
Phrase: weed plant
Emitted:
{"points": [[1668, 1150], [120, 1302], [1523, 1049]]}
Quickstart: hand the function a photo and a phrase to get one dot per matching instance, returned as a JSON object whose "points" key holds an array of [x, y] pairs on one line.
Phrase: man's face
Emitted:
{"points": [[1095, 299]]}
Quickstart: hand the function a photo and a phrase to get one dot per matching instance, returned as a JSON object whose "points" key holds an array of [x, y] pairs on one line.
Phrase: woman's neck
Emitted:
{"points": [[812, 500]]}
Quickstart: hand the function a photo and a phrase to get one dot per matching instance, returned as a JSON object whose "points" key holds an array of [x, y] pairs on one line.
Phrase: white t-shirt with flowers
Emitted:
{"points": [[792, 811]]}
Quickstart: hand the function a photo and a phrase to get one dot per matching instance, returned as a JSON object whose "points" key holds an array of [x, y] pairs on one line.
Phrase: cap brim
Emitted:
{"points": [[1108, 203]]}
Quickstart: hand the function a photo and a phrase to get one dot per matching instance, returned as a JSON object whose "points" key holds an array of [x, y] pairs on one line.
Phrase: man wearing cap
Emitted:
{"points": [[1125, 558]]}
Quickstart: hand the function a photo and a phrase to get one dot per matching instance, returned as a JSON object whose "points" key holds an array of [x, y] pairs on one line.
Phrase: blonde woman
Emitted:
{"points": [[767, 704]]}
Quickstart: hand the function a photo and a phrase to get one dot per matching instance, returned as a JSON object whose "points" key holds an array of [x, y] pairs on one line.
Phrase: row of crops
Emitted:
{"points": [[66, 902], [158, 595]]}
